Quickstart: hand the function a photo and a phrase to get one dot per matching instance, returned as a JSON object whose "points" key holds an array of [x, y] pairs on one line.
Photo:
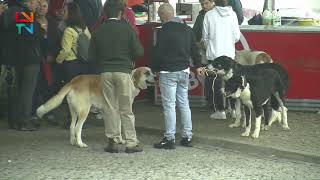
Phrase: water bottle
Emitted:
{"points": [[267, 17], [276, 18]]}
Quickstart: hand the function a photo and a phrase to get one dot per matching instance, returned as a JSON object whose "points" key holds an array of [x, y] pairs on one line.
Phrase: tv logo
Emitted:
{"points": [[25, 23]]}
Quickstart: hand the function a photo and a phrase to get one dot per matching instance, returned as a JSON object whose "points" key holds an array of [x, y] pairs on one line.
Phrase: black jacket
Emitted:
{"points": [[20, 49], [175, 46], [198, 24]]}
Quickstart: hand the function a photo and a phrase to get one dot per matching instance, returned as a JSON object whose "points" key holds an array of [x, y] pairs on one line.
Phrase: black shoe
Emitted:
{"points": [[134, 149], [112, 147], [165, 144], [187, 142], [27, 127]]}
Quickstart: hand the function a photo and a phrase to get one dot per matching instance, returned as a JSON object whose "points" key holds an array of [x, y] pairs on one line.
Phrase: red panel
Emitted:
{"points": [[299, 53]]}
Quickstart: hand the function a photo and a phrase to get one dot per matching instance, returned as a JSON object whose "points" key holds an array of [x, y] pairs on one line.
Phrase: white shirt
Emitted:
{"points": [[220, 32]]}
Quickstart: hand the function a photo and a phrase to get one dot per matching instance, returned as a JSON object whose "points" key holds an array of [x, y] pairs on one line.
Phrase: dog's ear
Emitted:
{"points": [[137, 74]]}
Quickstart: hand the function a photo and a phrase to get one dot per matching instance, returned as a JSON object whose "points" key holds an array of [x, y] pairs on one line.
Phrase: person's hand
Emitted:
{"points": [[200, 71]]}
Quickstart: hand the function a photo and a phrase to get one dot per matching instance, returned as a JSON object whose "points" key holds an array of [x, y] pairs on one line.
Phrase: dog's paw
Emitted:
{"points": [[255, 135], [285, 128], [245, 133], [234, 125], [82, 145], [73, 141], [267, 128]]}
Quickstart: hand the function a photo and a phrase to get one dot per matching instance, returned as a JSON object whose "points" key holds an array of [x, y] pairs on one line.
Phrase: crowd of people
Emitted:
{"points": [[34, 62]]}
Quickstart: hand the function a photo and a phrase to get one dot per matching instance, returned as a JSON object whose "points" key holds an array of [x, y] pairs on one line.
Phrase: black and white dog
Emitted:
{"points": [[255, 92], [228, 68]]}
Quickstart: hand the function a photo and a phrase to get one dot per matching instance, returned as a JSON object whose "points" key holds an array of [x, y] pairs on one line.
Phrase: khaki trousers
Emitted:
{"points": [[118, 117]]}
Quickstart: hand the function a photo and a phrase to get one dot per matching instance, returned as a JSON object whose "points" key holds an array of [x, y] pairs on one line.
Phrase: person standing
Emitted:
{"points": [[67, 56], [175, 45], [23, 54], [115, 46], [220, 33], [206, 5]]}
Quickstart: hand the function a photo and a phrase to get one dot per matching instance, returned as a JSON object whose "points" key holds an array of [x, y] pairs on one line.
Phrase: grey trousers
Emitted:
{"points": [[22, 91]]}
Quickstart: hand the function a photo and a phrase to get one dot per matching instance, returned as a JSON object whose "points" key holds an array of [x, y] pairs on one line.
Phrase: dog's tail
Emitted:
{"points": [[54, 102]]}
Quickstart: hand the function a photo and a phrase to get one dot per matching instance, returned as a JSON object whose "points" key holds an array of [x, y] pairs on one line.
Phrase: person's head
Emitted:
{"points": [[43, 10], [73, 16], [222, 3], [32, 5], [114, 9], [206, 5], [166, 12]]}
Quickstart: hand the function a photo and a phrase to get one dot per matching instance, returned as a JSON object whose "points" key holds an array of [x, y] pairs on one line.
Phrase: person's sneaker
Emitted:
{"points": [[218, 115], [187, 142], [165, 144], [134, 149], [112, 147]]}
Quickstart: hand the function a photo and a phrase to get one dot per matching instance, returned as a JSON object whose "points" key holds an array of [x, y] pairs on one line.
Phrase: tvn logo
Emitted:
{"points": [[24, 21]]}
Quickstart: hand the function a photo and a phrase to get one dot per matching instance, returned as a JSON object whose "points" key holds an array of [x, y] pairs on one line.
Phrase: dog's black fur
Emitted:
{"points": [[267, 81]]}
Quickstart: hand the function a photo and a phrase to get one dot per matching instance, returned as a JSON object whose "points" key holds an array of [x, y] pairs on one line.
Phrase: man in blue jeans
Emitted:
{"points": [[175, 45]]}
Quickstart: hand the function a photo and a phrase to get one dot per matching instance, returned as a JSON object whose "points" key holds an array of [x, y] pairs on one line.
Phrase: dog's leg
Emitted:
{"points": [[266, 113], [243, 115], [275, 115], [83, 114], [248, 121], [238, 114], [284, 117], [74, 116], [257, 129], [259, 111]]}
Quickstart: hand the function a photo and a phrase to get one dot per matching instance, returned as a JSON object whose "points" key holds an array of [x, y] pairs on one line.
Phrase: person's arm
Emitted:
{"points": [[197, 28], [237, 8], [66, 45], [206, 30], [155, 53], [195, 53]]}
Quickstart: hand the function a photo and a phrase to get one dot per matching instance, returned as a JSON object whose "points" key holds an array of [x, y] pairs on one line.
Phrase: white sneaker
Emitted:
{"points": [[218, 115]]}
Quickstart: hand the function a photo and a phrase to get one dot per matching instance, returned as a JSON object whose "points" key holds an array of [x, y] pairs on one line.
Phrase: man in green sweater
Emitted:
{"points": [[114, 47]]}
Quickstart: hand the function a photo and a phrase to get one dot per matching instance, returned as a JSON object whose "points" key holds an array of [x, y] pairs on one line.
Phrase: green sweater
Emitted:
{"points": [[114, 47]]}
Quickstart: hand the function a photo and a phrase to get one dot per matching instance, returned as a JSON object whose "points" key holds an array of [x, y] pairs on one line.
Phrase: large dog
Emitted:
{"points": [[227, 68], [255, 92], [85, 91]]}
